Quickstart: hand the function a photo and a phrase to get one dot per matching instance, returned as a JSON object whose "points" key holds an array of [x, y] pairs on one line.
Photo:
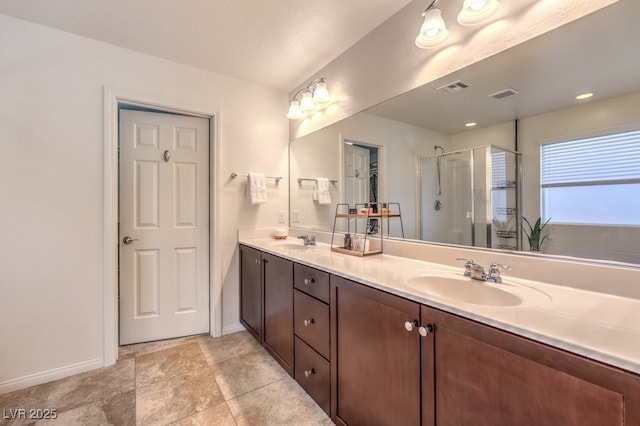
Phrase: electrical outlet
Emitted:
{"points": [[295, 216], [281, 217]]}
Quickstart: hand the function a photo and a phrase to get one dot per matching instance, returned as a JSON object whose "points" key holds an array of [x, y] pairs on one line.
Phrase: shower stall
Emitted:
{"points": [[472, 197]]}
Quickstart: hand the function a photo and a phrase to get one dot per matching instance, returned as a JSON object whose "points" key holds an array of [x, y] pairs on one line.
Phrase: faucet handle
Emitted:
{"points": [[497, 266], [468, 264], [494, 272]]}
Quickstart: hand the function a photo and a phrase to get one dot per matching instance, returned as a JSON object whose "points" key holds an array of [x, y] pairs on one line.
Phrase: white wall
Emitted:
{"points": [[502, 135], [320, 154], [51, 185]]}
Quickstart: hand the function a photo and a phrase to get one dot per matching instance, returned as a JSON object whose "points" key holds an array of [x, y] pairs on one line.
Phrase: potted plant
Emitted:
{"points": [[534, 233]]}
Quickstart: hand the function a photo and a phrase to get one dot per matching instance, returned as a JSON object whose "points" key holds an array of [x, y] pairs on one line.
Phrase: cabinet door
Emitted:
{"points": [[375, 360], [484, 376], [278, 309], [251, 291]]}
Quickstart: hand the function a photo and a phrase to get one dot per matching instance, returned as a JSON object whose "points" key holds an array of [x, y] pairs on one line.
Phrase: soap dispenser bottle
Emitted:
{"points": [[347, 241]]}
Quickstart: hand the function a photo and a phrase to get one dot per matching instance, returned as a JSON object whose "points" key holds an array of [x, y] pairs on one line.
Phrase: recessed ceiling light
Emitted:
{"points": [[584, 96], [471, 124]]}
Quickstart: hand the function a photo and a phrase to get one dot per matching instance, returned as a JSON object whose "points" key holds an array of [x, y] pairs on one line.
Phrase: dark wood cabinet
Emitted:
{"points": [[368, 357], [312, 322], [313, 373], [251, 291], [312, 333], [476, 374], [375, 359], [278, 309], [311, 281]]}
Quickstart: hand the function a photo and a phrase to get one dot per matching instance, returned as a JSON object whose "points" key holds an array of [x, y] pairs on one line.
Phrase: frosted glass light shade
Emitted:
{"points": [[295, 112], [433, 30], [321, 94], [306, 103], [476, 12]]}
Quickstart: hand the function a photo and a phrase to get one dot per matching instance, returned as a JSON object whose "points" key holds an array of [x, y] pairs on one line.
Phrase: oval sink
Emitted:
{"points": [[289, 246], [463, 290]]}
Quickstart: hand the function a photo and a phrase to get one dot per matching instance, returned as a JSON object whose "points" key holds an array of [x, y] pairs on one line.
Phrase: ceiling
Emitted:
{"points": [[278, 43], [597, 53]]}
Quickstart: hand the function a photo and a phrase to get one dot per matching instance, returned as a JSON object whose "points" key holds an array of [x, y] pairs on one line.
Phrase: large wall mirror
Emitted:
{"points": [[474, 185]]}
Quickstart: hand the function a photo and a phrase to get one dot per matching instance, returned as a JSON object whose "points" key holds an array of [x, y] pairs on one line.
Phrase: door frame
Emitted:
{"points": [[112, 97]]}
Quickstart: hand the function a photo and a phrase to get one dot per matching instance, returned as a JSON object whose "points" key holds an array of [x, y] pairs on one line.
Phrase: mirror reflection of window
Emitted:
{"points": [[592, 181]]}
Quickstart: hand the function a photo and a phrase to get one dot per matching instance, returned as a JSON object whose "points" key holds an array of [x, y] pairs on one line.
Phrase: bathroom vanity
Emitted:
{"points": [[378, 341]]}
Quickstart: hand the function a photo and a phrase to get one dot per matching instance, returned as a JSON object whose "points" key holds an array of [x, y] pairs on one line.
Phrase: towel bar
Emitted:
{"points": [[333, 181], [277, 178]]}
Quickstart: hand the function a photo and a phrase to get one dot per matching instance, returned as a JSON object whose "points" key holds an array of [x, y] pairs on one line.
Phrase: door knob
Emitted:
{"points": [[424, 331], [308, 322], [410, 325], [308, 281], [309, 373], [128, 240]]}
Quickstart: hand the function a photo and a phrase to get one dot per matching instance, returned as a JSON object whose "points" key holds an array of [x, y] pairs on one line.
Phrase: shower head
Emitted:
{"points": [[438, 147]]}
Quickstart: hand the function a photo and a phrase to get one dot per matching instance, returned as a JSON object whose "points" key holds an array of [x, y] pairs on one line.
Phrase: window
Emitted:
{"points": [[592, 181]]}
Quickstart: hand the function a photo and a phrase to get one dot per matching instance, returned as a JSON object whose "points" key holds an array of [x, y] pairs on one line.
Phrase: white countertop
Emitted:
{"points": [[599, 326]]}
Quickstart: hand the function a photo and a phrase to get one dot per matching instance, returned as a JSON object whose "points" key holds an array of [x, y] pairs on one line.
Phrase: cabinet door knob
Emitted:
{"points": [[308, 322], [308, 373], [410, 325], [425, 330], [308, 281]]}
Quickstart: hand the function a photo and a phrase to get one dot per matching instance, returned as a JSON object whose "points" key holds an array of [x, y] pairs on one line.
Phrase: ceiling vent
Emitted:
{"points": [[504, 93], [454, 87]]}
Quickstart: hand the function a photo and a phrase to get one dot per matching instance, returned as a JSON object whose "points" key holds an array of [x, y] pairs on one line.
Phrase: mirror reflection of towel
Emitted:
{"points": [[256, 188], [321, 191]]}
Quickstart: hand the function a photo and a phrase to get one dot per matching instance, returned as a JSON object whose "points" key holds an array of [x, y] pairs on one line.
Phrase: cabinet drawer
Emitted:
{"points": [[313, 374], [311, 281], [311, 322]]}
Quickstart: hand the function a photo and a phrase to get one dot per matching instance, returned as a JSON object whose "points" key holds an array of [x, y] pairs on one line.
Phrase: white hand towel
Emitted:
{"points": [[321, 191], [256, 188]]}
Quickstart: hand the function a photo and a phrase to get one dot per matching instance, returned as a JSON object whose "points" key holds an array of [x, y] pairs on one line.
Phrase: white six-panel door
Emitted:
{"points": [[356, 168], [164, 226]]}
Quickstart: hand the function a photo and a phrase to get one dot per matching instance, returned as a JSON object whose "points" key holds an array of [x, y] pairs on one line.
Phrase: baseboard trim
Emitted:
{"points": [[234, 328], [49, 376]]}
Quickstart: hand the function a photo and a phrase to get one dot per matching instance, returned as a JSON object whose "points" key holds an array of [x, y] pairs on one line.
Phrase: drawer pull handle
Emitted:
{"points": [[424, 331], [410, 325], [308, 322], [308, 281], [309, 373]]}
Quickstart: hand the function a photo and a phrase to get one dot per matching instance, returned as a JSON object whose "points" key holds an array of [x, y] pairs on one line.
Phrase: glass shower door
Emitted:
{"points": [[447, 207]]}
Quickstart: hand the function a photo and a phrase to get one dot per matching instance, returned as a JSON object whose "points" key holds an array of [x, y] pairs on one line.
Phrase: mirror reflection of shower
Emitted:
{"points": [[438, 204], [471, 197]]}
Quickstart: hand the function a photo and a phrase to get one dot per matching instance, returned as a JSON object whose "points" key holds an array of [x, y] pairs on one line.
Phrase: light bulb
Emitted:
{"points": [[321, 94], [306, 103], [433, 30], [478, 5], [476, 12], [295, 113]]}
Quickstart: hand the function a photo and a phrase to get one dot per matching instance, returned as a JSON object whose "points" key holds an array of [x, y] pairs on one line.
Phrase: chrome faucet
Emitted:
{"points": [[477, 272], [309, 240]]}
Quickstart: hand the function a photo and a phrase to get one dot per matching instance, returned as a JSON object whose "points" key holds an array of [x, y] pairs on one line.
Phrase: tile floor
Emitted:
{"points": [[197, 380]]}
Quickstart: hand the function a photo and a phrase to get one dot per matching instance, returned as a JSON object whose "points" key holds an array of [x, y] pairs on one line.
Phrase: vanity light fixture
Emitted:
{"points": [[433, 31], [312, 97], [476, 12]]}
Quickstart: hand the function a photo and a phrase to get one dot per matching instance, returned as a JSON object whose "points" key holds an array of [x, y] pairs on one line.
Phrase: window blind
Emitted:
{"points": [[601, 160]]}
